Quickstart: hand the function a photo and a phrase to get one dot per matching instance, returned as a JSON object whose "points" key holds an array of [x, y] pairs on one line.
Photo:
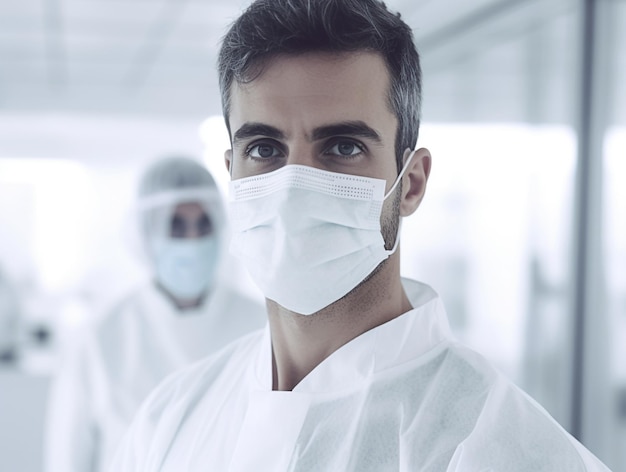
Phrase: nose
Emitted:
{"points": [[192, 232], [299, 153], [305, 154]]}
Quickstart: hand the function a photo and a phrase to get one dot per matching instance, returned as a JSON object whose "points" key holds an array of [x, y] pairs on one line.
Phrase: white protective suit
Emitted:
{"points": [[403, 396], [117, 365]]}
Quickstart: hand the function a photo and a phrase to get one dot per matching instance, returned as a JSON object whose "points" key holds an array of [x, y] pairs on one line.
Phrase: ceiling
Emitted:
{"points": [[489, 60]]}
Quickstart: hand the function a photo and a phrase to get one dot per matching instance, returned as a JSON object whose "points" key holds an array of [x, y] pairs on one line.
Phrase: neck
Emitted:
{"points": [[300, 343]]}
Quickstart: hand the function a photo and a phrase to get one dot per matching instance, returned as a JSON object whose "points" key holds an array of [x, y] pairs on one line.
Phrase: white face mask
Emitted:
{"points": [[308, 236], [185, 267]]}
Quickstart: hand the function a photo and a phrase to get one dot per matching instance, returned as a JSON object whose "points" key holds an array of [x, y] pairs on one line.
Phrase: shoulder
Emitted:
{"points": [[473, 418], [506, 428], [198, 376], [237, 300], [161, 415], [111, 336], [237, 308], [120, 309], [137, 306]]}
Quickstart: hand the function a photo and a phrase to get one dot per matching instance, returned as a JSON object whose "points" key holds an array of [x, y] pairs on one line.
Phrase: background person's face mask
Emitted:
{"points": [[185, 267], [308, 236]]}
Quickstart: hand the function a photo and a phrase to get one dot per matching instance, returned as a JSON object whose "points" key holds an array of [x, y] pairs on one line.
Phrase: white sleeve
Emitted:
{"points": [[70, 442], [131, 455], [147, 440]]}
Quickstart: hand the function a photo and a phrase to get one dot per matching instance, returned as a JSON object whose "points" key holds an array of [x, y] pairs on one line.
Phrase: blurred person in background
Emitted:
{"points": [[9, 322], [183, 314]]}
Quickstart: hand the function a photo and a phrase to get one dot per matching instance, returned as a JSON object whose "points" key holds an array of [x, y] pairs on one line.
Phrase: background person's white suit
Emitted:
{"points": [[183, 315]]}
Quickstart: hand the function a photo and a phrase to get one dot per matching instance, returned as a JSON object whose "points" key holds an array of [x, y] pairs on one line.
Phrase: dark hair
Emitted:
{"points": [[271, 27]]}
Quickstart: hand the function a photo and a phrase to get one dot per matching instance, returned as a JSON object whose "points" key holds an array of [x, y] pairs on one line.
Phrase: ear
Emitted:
{"points": [[228, 159], [414, 180]]}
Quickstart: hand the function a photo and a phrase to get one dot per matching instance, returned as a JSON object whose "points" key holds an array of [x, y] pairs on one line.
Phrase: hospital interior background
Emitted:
{"points": [[522, 231]]}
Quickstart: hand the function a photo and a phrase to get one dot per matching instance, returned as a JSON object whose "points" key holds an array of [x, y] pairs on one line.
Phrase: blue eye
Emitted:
{"points": [[345, 149], [263, 151]]}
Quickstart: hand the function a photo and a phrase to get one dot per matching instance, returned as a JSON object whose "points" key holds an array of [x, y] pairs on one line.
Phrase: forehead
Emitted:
{"points": [[313, 88]]}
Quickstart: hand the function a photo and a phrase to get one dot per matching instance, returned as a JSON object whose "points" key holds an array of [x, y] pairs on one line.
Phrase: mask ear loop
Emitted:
{"points": [[393, 187], [404, 168]]}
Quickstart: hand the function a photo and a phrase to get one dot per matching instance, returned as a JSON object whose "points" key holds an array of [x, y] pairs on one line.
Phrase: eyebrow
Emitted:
{"points": [[249, 130], [346, 128]]}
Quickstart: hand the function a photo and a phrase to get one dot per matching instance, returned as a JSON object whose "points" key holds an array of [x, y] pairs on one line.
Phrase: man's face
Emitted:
{"points": [[322, 110]]}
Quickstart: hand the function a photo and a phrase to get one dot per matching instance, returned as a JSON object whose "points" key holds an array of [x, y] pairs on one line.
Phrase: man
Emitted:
{"points": [[357, 369], [184, 313]]}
